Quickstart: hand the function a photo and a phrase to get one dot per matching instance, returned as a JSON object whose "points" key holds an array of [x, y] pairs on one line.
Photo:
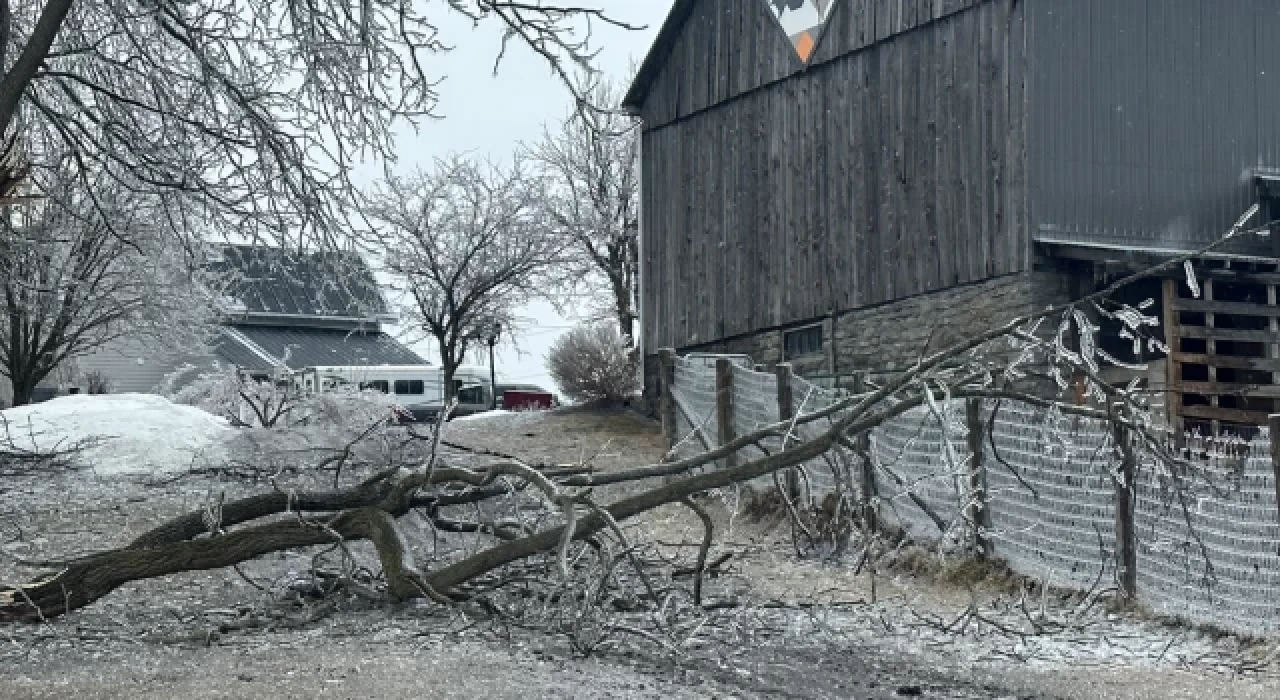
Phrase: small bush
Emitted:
{"points": [[592, 363], [249, 403], [97, 383]]}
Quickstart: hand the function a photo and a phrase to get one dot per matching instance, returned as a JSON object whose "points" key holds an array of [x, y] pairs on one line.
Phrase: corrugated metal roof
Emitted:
{"points": [[234, 348], [285, 282], [245, 345]]}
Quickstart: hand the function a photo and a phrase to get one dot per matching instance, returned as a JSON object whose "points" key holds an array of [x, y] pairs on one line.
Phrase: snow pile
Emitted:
{"points": [[484, 415], [133, 432]]}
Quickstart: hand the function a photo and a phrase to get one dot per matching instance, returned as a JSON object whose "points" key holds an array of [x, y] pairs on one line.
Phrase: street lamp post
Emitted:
{"points": [[494, 331]]}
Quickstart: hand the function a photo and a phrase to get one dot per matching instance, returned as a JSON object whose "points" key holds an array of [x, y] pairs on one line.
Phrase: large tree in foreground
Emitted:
{"points": [[591, 161], [472, 244], [80, 269], [240, 117], [566, 547]]}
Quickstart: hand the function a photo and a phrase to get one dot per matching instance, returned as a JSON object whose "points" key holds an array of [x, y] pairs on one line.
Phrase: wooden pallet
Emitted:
{"points": [[1224, 362]]}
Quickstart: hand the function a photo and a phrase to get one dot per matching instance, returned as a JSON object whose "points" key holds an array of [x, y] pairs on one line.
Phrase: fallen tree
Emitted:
{"points": [[1002, 363]]}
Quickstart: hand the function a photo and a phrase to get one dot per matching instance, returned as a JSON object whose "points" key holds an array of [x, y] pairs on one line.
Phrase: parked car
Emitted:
{"points": [[524, 397]]}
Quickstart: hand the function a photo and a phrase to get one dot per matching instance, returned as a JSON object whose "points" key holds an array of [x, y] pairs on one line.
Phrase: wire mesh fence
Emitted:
{"points": [[1208, 534]]}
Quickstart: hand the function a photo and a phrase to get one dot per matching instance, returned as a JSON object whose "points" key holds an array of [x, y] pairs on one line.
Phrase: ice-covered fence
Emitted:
{"points": [[1226, 510], [1052, 498], [807, 397], [921, 462], [695, 396], [1208, 542]]}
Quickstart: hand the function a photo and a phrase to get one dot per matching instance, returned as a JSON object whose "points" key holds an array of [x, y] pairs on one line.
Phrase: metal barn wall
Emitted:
{"points": [[893, 170], [1147, 114]]}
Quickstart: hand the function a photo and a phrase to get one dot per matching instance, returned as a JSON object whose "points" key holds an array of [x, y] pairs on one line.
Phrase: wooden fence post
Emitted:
{"points": [[667, 402], [866, 468], [978, 509], [1126, 533], [724, 407], [787, 411], [1273, 429]]}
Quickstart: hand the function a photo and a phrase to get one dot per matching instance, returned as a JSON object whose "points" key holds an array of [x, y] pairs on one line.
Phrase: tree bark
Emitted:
{"points": [[447, 370], [24, 387], [86, 580], [24, 69]]}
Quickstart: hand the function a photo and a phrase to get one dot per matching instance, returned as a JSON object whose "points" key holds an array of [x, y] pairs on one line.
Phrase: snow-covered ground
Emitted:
{"points": [[487, 415], [129, 432]]}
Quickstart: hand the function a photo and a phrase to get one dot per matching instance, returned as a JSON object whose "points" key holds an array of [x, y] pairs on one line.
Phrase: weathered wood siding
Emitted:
{"points": [[726, 48], [857, 24], [892, 170]]}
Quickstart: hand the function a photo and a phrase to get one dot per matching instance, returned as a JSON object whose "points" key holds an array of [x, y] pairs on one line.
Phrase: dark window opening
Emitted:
{"points": [[805, 342], [377, 385], [410, 387], [471, 395]]}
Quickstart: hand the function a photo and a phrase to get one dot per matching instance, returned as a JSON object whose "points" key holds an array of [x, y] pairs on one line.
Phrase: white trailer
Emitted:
{"points": [[418, 388]]}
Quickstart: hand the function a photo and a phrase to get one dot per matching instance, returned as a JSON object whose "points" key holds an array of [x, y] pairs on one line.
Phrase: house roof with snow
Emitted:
{"points": [[262, 281], [295, 309], [265, 348]]}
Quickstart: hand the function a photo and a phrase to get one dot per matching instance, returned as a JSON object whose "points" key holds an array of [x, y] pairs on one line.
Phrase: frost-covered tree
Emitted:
{"points": [[472, 244], [79, 269], [241, 117], [591, 161]]}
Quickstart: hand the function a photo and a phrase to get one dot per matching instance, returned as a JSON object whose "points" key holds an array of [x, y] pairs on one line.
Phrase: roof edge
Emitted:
{"points": [[656, 58]]}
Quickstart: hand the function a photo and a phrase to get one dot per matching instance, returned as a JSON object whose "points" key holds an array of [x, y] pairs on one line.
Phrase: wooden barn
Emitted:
{"points": [[832, 183]]}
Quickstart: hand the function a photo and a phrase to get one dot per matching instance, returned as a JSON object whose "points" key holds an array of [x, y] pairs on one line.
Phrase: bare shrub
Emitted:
{"points": [[277, 403], [593, 363], [97, 383]]}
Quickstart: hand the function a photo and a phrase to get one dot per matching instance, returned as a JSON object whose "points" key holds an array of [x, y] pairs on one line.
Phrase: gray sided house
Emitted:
{"points": [[835, 183], [280, 310]]}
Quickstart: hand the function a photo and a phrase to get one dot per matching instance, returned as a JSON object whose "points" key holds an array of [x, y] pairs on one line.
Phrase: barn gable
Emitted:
{"points": [[708, 52], [711, 51], [889, 171], [853, 25]]}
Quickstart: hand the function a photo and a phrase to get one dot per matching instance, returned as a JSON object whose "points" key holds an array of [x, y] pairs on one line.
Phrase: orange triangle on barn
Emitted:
{"points": [[802, 20], [804, 45]]}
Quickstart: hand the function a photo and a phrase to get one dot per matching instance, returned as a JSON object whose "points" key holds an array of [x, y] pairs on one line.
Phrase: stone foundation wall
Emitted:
{"points": [[892, 336]]}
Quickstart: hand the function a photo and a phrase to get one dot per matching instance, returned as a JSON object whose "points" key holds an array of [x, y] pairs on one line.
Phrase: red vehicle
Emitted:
{"points": [[525, 398]]}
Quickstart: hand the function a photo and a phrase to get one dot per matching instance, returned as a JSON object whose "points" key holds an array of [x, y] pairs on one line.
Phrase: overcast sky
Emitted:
{"points": [[490, 115]]}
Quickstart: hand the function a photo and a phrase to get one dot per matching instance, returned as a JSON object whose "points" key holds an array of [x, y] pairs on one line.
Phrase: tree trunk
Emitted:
{"points": [[448, 369], [28, 62], [622, 311], [625, 328], [24, 386], [85, 580]]}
